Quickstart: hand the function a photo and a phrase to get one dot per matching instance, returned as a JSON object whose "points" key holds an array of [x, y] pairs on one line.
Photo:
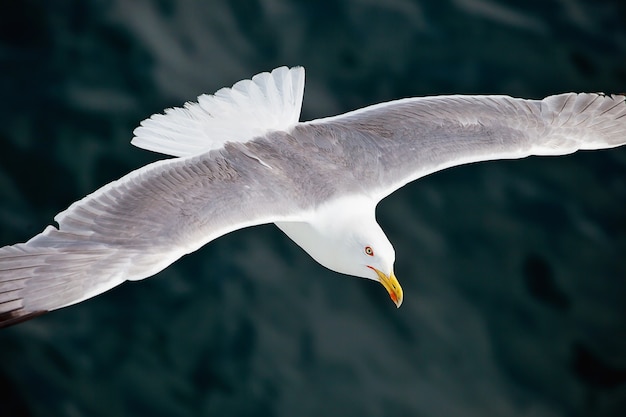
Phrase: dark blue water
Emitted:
{"points": [[514, 271]]}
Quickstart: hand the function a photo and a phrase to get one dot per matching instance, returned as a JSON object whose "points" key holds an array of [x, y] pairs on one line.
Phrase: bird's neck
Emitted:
{"points": [[324, 232]]}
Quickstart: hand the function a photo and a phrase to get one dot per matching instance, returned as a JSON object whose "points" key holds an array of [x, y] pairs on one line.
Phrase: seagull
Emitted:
{"points": [[242, 158]]}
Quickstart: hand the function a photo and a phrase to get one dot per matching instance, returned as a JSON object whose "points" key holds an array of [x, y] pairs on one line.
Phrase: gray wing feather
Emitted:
{"points": [[134, 227], [394, 143]]}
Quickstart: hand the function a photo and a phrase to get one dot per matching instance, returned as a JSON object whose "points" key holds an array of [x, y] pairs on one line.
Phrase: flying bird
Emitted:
{"points": [[242, 158]]}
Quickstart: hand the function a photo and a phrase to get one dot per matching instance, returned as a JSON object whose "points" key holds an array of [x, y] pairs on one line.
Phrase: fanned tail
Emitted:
{"points": [[250, 108]]}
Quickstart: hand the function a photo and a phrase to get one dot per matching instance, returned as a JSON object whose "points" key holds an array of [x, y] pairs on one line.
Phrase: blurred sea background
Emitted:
{"points": [[514, 272]]}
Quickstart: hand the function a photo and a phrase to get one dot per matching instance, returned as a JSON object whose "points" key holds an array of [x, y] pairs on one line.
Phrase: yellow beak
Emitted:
{"points": [[392, 286]]}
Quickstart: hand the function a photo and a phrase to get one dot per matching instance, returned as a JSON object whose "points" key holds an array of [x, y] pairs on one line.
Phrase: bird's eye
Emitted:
{"points": [[369, 251]]}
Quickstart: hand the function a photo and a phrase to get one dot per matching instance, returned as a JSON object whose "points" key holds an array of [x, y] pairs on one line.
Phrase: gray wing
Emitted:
{"points": [[393, 143], [134, 227]]}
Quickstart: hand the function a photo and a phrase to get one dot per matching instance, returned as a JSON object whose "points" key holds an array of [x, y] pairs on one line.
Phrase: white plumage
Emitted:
{"points": [[244, 159], [251, 108]]}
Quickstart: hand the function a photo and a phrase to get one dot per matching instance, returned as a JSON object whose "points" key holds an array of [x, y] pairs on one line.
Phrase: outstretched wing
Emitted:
{"points": [[393, 143], [134, 227]]}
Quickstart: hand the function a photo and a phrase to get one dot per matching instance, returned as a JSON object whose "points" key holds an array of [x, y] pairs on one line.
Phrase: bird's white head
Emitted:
{"points": [[344, 236], [370, 255]]}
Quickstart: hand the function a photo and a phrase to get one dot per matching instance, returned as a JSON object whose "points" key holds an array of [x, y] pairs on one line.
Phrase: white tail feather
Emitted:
{"points": [[250, 108]]}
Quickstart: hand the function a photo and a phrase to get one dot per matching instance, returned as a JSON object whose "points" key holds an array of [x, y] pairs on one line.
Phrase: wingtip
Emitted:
{"points": [[11, 318]]}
